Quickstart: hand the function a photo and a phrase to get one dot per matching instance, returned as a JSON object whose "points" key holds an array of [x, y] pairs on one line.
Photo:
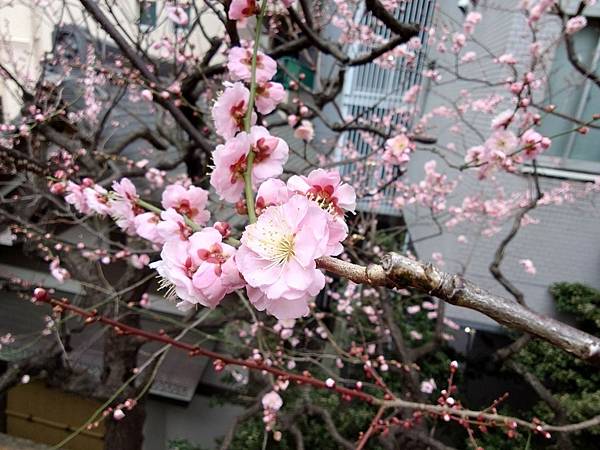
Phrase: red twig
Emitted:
{"points": [[365, 437], [194, 350]]}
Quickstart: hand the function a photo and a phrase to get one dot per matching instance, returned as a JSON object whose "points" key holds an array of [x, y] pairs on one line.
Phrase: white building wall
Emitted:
{"points": [[565, 245], [26, 35]]}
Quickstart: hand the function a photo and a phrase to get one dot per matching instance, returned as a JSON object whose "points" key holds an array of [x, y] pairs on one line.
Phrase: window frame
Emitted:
{"points": [[141, 7]]}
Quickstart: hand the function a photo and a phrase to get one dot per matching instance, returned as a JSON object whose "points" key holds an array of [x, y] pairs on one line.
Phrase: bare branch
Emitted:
{"points": [[399, 271], [141, 65]]}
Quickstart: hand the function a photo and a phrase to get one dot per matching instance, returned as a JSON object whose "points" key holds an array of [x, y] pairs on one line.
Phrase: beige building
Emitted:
{"points": [[27, 26]]}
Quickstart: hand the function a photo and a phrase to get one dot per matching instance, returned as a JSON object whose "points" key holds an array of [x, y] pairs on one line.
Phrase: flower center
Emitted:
{"points": [[184, 208], [250, 9], [323, 196], [263, 148], [272, 239], [238, 169], [238, 112]]}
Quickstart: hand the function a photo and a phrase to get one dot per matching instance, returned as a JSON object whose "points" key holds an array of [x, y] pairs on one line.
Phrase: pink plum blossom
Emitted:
{"points": [[172, 226], [200, 270], [411, 95], [177, 14], [272, 401], [139, 261], [240, 65], [414, 334], [176, 269], [230, 161], [282, 309], [534, 143], [502, 142], [398, 149], [271, 192], [96, 198], [458, 42], [230, 109], [147, 95], [428, 386], [190, 202], [76, 197], [146, 226], [413, 309], [507, 58], [217, 274], [268, 95], [503, 119], [305, 131], [242, 9], [270, 154], [277, 256], [123, 205], [468, 57], [59, 273], [528, 266], [574, 24], [538, 9], [325, 188], [428, 305], [472, 19]]}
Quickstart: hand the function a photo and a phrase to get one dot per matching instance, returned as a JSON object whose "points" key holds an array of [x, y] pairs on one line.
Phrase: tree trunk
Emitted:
{"points": [[127, 433], [120, 358]]}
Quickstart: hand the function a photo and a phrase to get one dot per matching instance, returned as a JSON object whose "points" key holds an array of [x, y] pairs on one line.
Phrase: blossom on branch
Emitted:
{"points": [[398, 149], [268, 95], [242, 9], [177, 15], [230, 109], [190, 202], [146, 227], [231, 161], [240, 65], [96, 198], [123, 205], [325, 188], [277, 255], [200, 270]]}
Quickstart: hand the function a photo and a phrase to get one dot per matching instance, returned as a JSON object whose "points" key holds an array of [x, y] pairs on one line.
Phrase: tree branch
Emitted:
{"points": [[141, 65], [399, 271]]}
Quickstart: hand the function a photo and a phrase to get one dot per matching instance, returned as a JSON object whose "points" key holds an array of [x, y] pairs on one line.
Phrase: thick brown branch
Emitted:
{"points": [[404, 30], [399, 271]]}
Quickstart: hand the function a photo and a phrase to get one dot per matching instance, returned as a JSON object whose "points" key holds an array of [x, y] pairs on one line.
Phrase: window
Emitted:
{"points": [[373, 92], [148, 13], [577, 98]]}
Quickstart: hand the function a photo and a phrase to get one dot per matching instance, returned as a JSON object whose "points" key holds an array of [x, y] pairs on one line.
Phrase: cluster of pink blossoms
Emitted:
{"points": [[298, 221], [398, 150]]}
